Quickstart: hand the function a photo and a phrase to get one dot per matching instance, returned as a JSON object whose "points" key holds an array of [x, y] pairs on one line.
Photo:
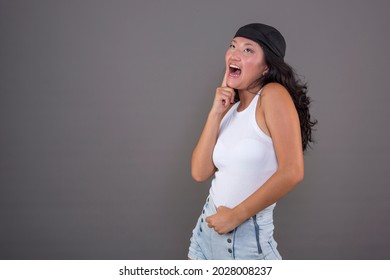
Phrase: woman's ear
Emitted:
{"points": [[265, 70]]}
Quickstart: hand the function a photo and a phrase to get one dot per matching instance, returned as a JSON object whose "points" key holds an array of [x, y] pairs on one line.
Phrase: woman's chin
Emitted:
{"points": [[236, 86], [232, 83]]}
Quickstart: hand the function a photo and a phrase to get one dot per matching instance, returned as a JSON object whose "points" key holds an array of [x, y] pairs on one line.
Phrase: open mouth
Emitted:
{"points": [[234, 70]]}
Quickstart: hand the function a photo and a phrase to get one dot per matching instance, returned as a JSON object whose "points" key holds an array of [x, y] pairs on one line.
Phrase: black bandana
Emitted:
{"points": [[265, 35]]}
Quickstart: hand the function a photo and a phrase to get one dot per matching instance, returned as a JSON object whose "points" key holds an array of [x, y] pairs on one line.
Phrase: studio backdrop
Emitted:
{"points": [[102, 102]]}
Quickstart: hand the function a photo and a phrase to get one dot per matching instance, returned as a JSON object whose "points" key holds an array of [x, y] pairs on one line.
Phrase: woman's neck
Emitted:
{"points": [[245, 98]]}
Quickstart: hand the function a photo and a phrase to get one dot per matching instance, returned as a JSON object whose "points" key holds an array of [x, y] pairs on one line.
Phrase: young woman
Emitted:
{"points": [[253, 143]]}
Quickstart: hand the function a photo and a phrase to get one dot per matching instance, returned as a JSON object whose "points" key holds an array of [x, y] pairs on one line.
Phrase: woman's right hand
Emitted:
{"points": [[224, 97]]}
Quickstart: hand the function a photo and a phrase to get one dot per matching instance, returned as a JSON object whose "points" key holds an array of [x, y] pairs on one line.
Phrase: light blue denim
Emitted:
{"points": [[252, 240]]}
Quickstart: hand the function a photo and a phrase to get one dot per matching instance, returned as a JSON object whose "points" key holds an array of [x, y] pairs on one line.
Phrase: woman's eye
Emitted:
{"points": [[231, 46], [248, 50]]}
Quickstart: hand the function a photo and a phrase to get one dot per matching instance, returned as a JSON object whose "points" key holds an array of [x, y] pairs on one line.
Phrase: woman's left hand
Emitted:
{"points": [[224, 221]]}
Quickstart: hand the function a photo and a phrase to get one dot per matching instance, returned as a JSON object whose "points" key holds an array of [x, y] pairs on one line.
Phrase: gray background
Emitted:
{"points": [[102, 102]]}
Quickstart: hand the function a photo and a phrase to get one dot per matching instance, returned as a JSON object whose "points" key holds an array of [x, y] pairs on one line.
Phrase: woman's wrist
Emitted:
{"points": [[241, 213], [215, 115]]}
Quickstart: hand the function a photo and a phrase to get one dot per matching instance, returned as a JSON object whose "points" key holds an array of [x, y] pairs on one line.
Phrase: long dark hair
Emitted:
{"points": [[282, 73]]}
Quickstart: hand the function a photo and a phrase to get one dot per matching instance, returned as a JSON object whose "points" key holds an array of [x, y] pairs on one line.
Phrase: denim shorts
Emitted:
{"points": [[252, 240]]}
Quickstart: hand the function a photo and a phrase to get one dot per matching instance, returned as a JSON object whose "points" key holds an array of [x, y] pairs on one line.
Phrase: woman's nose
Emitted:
{"points": [[235, 55]]}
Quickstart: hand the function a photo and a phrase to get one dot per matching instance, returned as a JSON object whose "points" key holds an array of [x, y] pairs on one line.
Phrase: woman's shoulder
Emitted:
{"points": [[275, 93], [275, 96], [274, 89]]}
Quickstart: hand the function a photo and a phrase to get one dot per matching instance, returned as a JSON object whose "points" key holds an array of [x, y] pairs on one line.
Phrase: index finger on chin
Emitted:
{"points": [[224, 81]]}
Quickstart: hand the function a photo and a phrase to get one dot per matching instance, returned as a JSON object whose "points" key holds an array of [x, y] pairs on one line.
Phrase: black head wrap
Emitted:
{"points": [[265, 35]]}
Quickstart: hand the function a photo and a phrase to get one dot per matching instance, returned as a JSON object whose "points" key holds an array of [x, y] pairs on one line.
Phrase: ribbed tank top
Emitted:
{"points": [[244, 156]]}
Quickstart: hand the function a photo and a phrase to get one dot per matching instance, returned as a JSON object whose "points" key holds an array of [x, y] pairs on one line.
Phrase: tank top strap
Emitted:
{"points": [[255, 99], [259, 92]]}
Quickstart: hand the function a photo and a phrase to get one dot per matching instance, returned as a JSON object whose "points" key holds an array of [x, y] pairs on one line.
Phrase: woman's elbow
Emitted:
{"points": [[198, 177], [201, 174], [196, 173], [292, 174], [297, 175]]}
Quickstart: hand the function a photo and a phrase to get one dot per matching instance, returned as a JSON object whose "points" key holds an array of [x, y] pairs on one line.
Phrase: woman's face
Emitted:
{"points": [[244, 62]]}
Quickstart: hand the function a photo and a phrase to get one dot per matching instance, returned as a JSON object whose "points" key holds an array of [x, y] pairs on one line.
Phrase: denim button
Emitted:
{"points": [[200, 229], [230, 250], [229, 240], [203, 211]]}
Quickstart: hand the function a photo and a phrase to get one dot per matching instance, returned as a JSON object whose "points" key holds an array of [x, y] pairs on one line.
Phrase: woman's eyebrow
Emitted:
{"points": [[245, 44]]}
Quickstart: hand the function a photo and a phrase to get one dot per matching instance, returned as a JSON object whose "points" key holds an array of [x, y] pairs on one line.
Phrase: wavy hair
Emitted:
{"points": [[282, 73]]}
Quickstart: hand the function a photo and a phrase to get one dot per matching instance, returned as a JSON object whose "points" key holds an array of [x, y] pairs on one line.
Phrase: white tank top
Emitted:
{"points": [[244, 156]]}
